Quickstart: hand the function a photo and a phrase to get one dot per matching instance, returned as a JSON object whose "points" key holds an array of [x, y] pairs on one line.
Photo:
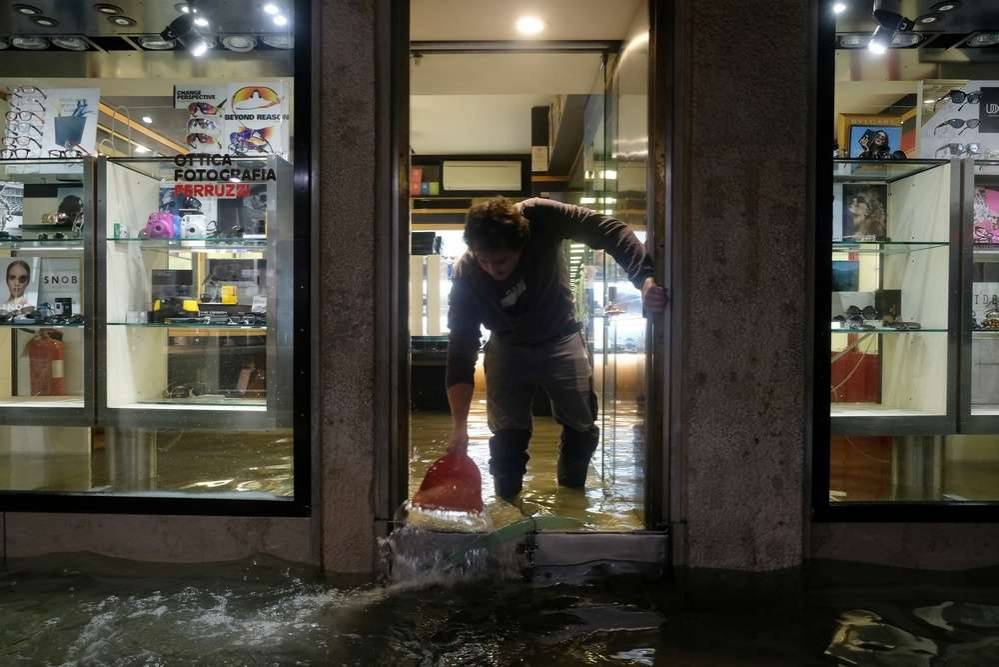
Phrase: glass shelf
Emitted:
{"points": [[195, 244], [985, 333], [39, 325], [887, 247], [886, 330], [880, 171], [48, 244], [840, 410], [214, 327]]}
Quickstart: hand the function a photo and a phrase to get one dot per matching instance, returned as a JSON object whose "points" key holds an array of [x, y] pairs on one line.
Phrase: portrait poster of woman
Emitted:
{"points": [[865, 212], [21, 280]]}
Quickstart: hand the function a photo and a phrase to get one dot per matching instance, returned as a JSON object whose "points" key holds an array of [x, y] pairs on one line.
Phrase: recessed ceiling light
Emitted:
{"points": [[271, 8], [201, 22], [147, 119], [280, 20], [984, 39], [30, 43], [930, 101], [928, 19], [44, 21], [183, 7], [530, 25], [4, 43], [123, 21], [27, 10], [877, 48], [199, 48], [105, 8], [278, 41], [156, 43], [906, 39], [854, 41], [139, 148], [839, 7], [71, 43], [239, 43], [948, 6]]}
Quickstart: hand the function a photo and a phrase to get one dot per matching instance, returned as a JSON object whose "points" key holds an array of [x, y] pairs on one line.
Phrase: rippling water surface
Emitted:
{"points": [[60, 615]]}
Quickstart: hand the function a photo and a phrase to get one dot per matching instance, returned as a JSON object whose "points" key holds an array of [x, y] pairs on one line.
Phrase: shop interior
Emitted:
{"points": [[149, 351], [915, 240], [532, 99]]}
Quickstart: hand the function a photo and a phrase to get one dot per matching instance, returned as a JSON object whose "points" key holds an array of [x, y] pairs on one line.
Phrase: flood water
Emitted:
{"points": [[268, 613]]}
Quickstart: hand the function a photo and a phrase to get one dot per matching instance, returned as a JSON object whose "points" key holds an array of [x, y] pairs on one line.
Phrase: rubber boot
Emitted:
{"points": [[575, 454], [508, 461]]}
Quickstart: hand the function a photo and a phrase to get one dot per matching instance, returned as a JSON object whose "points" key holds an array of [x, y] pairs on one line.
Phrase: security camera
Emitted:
{"points": [[888, 14]]}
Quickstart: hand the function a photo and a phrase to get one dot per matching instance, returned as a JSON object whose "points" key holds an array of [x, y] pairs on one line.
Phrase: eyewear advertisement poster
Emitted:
{"points": [[244, 119], [964, 122], [11, 207], [984, 297], [51, 123], [22, 279], [59, 285]]}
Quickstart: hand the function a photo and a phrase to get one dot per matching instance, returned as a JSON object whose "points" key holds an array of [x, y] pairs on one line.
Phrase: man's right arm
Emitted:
{"points": [[463, 321]]}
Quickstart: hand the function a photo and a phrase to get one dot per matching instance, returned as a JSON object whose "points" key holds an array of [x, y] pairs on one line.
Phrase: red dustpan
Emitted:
{"points": [[452, 483]]}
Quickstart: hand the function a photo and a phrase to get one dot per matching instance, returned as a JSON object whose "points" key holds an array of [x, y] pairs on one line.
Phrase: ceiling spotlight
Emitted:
{"points": [[284, 41], [927, 19], [44, 21], [879, 41], [147, 119], [201, 21], [183, 7], [184, 30], [71, 43], [4, 43], [530, 25], [27, 10], [239, 43], [30, 43], [839, 8], [105, 8], [280, 20], [983, 39], [948, 6], [123, 21], [156, 43], [271, 8]]}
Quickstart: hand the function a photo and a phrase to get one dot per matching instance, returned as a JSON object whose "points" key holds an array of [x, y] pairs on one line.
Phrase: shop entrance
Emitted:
{"points": [[559, 113]]}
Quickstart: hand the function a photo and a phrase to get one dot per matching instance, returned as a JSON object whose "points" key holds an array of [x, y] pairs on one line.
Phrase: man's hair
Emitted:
{"points": [[496, 224]]}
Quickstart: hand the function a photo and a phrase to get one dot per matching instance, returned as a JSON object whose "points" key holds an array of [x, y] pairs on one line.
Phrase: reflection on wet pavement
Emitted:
{"points": [[612, 500]]}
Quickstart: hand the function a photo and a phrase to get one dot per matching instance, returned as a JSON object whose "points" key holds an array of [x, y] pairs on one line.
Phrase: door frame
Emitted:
{"points": [[392, 393]]}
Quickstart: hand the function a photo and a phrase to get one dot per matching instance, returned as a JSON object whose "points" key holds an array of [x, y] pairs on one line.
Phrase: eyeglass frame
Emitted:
{"points": [[967, 98], [10, 115], [12, 153], [966, 151], [966, 123], [10, 128], [20, 90], [19, 140]]}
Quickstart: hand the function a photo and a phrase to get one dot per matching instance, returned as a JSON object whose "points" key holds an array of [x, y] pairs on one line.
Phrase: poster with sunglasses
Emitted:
{"points": [[244, 119], [11, 207], [962, 122], [21, 280], [865, 212]]}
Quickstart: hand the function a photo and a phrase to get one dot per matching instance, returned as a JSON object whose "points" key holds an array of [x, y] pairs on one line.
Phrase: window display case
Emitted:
{"points": [[197, 327], [895, 271], [46, 312]]}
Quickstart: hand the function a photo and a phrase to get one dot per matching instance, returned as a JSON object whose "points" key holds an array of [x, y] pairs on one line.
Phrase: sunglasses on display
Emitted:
{"points": [[967, 124], [185, 390], [958, 150], [25, 104], [14, 153], [201, 138], [204, 108], [58, 236], [23, 116], [960, 97], [202, 124]]}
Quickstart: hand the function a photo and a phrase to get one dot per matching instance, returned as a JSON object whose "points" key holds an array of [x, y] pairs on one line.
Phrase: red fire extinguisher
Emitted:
{"points": [[45, 352]]}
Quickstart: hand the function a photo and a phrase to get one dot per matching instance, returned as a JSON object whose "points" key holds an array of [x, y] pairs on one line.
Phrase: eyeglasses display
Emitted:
{"points": [[961, 97], [25, 119]]}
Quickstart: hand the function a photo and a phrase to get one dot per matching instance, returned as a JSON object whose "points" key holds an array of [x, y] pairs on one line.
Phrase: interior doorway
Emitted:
{"points": [[561, 114]]}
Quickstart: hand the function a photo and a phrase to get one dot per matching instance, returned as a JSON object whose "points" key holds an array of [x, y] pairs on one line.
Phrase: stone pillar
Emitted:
{"points": [[345, 299], [740, 184]]}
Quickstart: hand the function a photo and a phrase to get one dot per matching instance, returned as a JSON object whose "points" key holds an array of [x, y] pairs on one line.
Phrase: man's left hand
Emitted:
{"points": [[653, 297]]}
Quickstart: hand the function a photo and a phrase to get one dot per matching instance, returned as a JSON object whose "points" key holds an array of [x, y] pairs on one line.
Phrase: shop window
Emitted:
{"points": [[151, 244], [908, 314]]}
